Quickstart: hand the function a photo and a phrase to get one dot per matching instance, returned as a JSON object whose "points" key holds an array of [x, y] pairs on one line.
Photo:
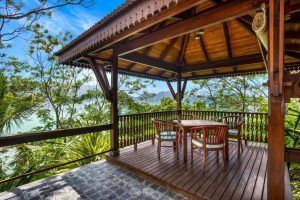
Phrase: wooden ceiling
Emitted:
{"points": [[225, 49]]}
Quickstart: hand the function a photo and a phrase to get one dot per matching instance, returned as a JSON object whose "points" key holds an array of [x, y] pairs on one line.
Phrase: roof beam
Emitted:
{"points": [[293, 54], [213, 16], [242, 60], [168, 48], [227, 39], [202, 46], [292, 47], [246, 26], [149, 61], [229, 74], [292, 35], [185, 40]]}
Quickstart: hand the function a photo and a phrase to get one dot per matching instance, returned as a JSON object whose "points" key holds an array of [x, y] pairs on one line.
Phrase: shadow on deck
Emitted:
{"points": [[245, 177]]}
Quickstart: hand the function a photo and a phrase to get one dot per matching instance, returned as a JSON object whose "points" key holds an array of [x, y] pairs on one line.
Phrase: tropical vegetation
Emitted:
{"points": [[59, 97]]}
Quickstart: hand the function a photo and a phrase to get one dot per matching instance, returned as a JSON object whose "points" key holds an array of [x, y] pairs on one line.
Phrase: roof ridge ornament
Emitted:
{"points": [[260, 25]]}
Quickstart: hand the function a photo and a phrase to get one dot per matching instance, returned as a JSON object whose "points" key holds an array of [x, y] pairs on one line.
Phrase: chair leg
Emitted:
{"points": [[158, 148], [174, 146], [204, 161], [242, 145], [217, 156], [180, 138], [239, 146], [192, 153], [224, 161], [177, 149]]}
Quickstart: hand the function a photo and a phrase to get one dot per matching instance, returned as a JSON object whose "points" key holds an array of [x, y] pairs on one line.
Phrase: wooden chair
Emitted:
{"points": [[235, 123], [166, 132], [213, 139]]}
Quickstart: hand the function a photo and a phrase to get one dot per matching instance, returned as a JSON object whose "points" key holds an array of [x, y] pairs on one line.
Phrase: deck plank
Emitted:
{"points": [[233, 179], [220, 184], [259, 185], [244, 178], [253, 179], [239, 186], [213, 166]]}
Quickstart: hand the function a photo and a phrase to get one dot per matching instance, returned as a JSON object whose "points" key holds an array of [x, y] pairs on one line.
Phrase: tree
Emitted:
{"points": [[27, 14], [231, 94], [14, 108]]}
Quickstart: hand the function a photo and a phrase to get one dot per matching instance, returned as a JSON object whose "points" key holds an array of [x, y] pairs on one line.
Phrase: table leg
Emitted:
{"points": [[226, 147], [184, 145]]}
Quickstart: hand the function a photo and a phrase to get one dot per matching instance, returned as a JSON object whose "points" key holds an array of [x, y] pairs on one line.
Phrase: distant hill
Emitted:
{"points": [[159, 96]]}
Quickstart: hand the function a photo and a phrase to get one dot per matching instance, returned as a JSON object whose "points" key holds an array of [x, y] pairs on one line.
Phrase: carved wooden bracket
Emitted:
{"points": [[174, 95], [171, 89], [101, 77]]}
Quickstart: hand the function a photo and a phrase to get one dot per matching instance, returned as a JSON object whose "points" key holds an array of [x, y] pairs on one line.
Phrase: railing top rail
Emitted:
{"points": [[145, 113], [45, 135], [207, 111], [228, 112]]}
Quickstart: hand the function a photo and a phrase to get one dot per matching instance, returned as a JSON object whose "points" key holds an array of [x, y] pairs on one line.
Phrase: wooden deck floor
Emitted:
{"points": [[245, 177]]}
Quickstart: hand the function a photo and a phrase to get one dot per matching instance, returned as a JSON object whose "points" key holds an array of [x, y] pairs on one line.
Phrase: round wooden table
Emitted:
{"points": [[186, 125]]}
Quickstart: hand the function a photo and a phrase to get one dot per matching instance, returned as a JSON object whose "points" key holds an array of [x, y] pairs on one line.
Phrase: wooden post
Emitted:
{"points": [[276, 101], [178, 95], [114, 118]]}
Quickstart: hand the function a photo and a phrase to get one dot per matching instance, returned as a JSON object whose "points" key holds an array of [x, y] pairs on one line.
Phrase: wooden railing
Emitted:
{"points": [[137, 128], [253, 129], [12, 140]]}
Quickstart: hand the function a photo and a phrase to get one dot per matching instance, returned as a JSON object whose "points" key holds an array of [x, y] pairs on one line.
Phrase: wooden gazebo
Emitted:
{"points": [[181, 40]]}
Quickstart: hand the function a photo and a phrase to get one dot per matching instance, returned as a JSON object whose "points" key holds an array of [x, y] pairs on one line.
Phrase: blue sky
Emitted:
{"points": [[75, 19]]}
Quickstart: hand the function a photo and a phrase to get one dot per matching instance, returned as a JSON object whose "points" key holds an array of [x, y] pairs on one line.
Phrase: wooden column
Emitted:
{"points": [[178, 95], [114, 118], [276, 101]]}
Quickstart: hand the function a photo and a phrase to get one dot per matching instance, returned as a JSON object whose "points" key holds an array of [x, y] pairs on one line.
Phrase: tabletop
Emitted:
{"points": [[194, 123]]}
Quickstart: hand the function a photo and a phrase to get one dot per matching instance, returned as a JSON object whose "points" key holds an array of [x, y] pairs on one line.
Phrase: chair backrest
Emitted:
{"points": [[162, 125], [185, 117], [210, 134], [233, 121]]}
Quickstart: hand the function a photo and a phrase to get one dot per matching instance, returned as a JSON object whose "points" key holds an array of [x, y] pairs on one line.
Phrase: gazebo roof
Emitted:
{"points": [[149, 43]]}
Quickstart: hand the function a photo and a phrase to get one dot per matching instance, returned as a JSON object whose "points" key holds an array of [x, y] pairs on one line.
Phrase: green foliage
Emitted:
{"points": [[292, 124], [14, 108], [244, 94]]}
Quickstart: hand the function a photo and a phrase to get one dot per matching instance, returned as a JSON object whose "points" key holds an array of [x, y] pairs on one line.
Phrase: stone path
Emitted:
{"points": [[99, 180]]}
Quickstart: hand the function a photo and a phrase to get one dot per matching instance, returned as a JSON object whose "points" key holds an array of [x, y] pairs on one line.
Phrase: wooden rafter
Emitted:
{"points": [[246, 26], [184, 43], [130, 66], [241, 60], [227, 39], [292, 47], [292, 35], [149, 61], [101, 77], [168, 48], [293, 54], [165, 53], [203, 49], [219, 14]]}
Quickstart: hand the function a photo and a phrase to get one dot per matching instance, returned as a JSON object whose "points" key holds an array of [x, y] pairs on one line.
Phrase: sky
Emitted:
{"points": [[75, 19]]}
